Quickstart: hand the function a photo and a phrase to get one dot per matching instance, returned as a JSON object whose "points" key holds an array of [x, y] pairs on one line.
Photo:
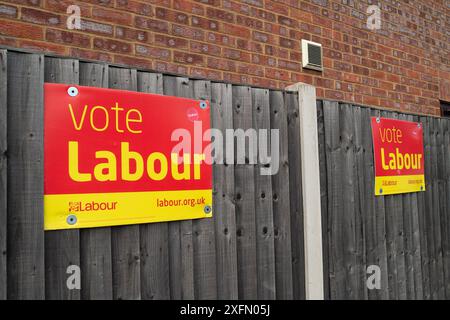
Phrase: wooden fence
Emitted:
{"points": [[407, 236], [253, 247]]}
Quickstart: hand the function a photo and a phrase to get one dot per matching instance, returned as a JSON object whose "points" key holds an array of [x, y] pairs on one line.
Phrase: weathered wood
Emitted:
{"points": [[359, 188], [205, 277], [62, 247], [379, 223], [25, 223], [180, 232], [265, 252], [323, 196], [281, 201], [96, 261], [3, 172], [245, 201], [224, 211], [424, 232], [296, 202], [125, 239], [444, 129], [154, 237], [436, 175]]}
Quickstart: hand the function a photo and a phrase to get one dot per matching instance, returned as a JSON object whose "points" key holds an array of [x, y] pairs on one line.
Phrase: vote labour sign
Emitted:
{"points": [[399, 157], [111, 158]]}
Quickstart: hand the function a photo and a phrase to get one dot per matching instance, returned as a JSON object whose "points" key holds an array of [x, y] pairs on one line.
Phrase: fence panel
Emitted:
{"points": [[252, 248]]}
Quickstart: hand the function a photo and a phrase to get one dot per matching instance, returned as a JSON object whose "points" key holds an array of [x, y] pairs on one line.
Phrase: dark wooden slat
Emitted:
{"points": [[96, 262], [323, 197], [224, 212], [436, 175], [245, 201], [423, 220], [25, 226], [125, 239], [154, 237], [295, 196], [180, 232], [408, 238], [430, 207], [445, 126], [281, 201], [205, 277], [62, 247], [379, 224], [359, 189], [265, 252], [3, 172], [337, 271]]}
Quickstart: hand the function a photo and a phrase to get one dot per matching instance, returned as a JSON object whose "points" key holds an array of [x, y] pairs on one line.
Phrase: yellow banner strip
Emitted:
{"points": [[73, 211], [399, 184]]}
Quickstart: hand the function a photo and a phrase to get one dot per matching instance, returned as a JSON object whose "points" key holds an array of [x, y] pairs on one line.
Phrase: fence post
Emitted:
{"points": [[312, 216]]}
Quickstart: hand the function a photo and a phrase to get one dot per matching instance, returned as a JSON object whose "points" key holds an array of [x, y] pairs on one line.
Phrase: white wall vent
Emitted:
{"points": [[312, 55]]}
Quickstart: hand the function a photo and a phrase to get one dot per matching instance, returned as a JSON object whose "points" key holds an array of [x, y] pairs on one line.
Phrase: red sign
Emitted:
{"points": [[109, 158], [399, 157]]}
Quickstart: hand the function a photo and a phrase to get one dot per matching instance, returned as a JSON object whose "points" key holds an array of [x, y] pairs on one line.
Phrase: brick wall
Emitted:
{"points": [[403, 66]]}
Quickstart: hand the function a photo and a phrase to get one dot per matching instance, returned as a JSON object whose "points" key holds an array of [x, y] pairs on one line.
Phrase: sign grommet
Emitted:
{"points": [[72, 91], [72, 219]]}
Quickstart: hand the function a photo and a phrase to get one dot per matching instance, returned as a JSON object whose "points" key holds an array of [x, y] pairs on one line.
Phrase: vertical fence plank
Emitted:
{"points": [[379, 223], [125, 239], [224, 211], [359, 188], [180, 232], [337, 270], [429, 207], [62, 247], [3, 171], [349, 224], [96, 263], [245, 200], [205, 277], [154, 237], [295, 196], [436, 175], [423, 222], [445, 126], [25, 224], [323, 197], [265, 252], [281, 201]]}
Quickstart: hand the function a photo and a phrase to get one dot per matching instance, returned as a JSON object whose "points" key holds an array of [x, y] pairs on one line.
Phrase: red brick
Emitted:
{"points": [[112, 45], [171, 42], [235, 30], [188, 32], [189, 7], [170, 68], [132, 61], [140, 8], [8, 11], [40, 17], [170, 15], [151, 24], [97, 28], [90, 55], [206, 73], [68, 37], [204, 23], [60, 6], [132, 34], [43, 47], [152, 52], [20, 30], [188, 58], [112, 16], [205, 48], [221, 64]]}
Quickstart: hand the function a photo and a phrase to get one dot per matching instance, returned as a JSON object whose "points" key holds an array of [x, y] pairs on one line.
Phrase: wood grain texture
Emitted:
{"points": [[154, 237], [62, 247], [265, 251], [180, 232], [281, 201], [96, 261], [125, 239], [25, 267], [224, 210], [296, 198], [245, 201], [3, 171], [205, 276]]}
